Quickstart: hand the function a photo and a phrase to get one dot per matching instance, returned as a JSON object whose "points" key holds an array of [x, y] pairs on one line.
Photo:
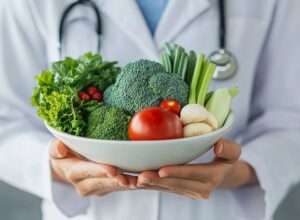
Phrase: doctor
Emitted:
{"points": [[263, 36]]}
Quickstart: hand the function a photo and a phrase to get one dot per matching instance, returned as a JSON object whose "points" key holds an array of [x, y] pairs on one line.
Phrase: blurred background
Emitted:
{"points": [[18, 205]]}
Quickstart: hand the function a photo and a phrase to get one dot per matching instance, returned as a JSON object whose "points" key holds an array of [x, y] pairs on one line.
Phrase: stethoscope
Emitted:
{"points": [[225, 61], [98, 28]]}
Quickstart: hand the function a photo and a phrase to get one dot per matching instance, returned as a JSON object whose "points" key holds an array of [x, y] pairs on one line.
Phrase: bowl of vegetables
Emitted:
{"points": [[143, 116]]}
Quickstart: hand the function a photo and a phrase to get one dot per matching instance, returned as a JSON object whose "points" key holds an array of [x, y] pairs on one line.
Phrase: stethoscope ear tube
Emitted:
{"points": [[64, 18]]}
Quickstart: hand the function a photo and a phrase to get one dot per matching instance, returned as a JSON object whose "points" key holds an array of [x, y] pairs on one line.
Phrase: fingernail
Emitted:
{"points": [[219, 148], [109, 175], [122, 184], [131, 186], [145, 181], [61, 150], [163, 174]]}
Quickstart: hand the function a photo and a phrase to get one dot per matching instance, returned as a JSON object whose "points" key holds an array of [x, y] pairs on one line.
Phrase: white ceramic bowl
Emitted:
{"points": [[136, 156]]}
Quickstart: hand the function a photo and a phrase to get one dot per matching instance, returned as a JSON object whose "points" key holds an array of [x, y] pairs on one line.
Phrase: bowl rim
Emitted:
{"points": [[228, 123]]}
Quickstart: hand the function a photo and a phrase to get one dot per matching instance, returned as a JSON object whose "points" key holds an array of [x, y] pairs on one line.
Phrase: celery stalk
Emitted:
{"points": [[195, 79], [204, 69], [204, 82]]}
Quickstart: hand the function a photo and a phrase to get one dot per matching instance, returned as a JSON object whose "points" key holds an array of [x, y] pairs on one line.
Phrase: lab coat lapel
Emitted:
{"points": [[128, 16], [178, 14]]}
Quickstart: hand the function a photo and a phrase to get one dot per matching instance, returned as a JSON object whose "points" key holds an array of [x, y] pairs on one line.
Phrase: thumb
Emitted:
{"points": [[227, 151], [58, 150]]}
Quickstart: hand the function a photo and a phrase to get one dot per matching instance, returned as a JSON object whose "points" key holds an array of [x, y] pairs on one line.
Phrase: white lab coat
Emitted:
{"points": [[263, 35]]}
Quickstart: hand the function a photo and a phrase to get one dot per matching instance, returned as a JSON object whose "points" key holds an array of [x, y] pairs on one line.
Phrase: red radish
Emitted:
{"points": [[91, 90], [84, 96], [97, 96]]}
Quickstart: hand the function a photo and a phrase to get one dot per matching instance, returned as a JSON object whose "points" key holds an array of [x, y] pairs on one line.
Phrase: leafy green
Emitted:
{"points": [[87, 70], [56, 93], [108, 123]]}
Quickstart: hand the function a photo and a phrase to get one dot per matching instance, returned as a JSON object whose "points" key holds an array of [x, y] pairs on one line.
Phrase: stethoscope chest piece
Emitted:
{"points": [[226, 64]]}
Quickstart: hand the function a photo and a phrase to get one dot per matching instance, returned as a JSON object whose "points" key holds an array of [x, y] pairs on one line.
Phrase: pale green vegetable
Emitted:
{"points": [[179, 51], [219, 103], [203, 71], [204, 82], [175, 60], [182, 69], [207, 96], [192, 59], [166, 62], [195, 79]]}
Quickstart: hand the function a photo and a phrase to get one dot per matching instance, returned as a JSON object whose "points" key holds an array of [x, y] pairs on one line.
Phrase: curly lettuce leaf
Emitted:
{"points": [[56, 93]]}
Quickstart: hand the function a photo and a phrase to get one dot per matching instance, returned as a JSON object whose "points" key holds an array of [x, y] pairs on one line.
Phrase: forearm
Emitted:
{"points": [[241, 175]]}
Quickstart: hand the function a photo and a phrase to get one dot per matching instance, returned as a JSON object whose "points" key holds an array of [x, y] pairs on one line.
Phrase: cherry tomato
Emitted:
{"points": [[84, 96], [97, 96], [155, 123], [91, 90], [171, 105]]}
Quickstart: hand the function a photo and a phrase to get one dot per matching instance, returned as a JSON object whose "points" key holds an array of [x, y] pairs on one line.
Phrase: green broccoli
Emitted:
{"points": [[108, 123], [143, 84]]}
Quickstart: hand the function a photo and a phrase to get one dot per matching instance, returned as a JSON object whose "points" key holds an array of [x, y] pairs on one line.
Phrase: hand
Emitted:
{"points": [[198, 181], [87, 177]]}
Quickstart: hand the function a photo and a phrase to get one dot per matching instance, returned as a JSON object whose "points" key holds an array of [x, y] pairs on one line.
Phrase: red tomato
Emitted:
{"points": [[155, 124], [97, 96], [91, 90], [171, 105], [84, 96]]}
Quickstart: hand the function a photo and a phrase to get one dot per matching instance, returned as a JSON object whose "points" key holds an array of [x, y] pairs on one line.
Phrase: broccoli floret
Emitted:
{"points": [[108, 123], [143, 84], [169, 86]]}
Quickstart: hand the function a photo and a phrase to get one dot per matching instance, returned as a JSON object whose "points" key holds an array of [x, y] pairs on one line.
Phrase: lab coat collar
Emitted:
{"points": [[128, 16], [178, 14]]}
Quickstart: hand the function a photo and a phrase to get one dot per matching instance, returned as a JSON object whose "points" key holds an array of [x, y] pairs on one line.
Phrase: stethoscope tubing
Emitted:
{"points": [[225, 61], [222, 25], [65, 14]]}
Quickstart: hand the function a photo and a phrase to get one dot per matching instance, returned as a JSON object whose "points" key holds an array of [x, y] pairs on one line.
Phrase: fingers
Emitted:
{"points": [[163, 189], [99, 186], [194, 189], [58, 150], [227, 150], [75, 169], [102, 186], [174, 184], [200, 172], [147, 175], [132, 181], [181, 193]]}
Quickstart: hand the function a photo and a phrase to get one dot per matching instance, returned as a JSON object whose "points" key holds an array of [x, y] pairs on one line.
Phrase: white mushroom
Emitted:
{"points": [[211, 121], [196, 129], [193, 113]]}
